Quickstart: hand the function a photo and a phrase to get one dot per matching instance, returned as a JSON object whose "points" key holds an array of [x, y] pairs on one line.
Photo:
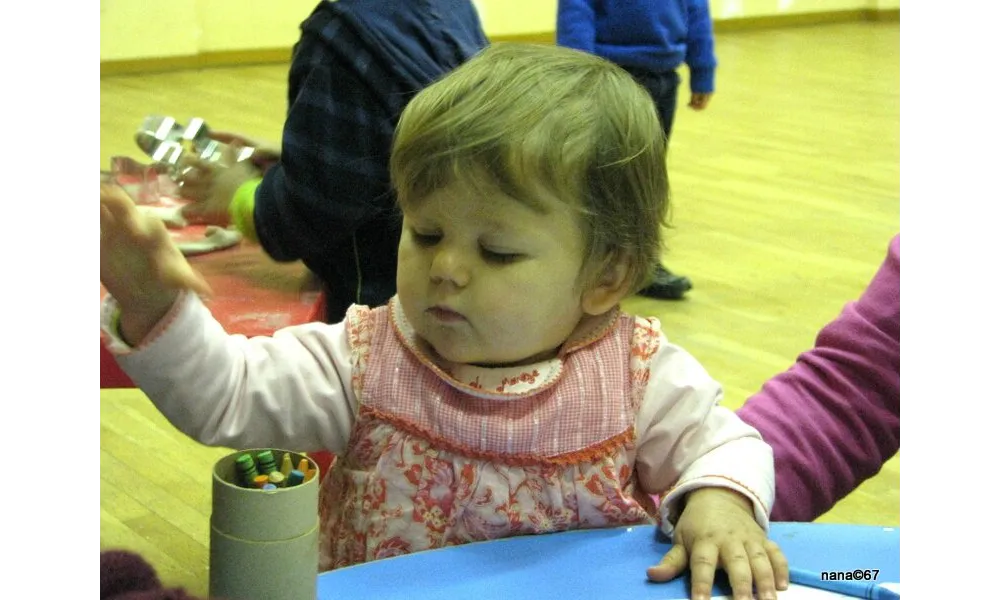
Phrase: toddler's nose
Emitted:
{"points": [[450, 266]]}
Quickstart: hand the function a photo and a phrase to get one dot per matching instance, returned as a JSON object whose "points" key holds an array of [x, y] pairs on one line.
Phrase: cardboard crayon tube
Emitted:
{"points": [[263, 543]]}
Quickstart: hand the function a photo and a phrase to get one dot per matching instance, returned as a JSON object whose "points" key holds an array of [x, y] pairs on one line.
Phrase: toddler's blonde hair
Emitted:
{"points": [[522, 118]]}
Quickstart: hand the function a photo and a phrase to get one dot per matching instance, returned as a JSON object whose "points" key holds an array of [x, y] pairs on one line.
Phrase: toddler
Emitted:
{"points": [[502, 391]]}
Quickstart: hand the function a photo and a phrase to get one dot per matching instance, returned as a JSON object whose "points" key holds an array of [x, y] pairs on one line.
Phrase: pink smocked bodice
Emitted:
{"points": [[444, 455]]}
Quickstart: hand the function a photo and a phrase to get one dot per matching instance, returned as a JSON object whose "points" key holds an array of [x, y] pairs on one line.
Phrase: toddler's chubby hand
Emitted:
{"points": [[140, 265], [717, 529]]}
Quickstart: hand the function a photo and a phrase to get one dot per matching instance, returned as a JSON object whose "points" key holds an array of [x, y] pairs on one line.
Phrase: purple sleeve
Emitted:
{"points": [[833, 417]]}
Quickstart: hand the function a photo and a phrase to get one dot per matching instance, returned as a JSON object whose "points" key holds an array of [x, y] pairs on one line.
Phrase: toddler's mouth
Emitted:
{"points": [[445, 314]]}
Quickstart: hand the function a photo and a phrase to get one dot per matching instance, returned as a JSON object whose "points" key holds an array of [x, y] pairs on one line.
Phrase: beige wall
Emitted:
{"points": [[139, 29]]}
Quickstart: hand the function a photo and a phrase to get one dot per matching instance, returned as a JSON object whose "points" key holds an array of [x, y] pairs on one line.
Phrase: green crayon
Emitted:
{"points": [[246, 470], [265, 460]]}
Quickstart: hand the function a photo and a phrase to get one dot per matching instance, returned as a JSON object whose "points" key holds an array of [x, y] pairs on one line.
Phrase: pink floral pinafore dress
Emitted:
{"points": [[441, 458]]}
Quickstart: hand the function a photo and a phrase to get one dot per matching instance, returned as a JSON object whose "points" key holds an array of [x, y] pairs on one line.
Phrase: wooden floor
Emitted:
{"points": [[786, 193]]}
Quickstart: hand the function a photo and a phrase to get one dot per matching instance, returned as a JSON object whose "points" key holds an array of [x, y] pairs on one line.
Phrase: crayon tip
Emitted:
{"points": [[304, 465], [286, 464], [295, 477]]}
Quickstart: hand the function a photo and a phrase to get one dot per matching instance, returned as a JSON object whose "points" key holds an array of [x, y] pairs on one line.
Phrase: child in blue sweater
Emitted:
{"points": [[650, 39]]}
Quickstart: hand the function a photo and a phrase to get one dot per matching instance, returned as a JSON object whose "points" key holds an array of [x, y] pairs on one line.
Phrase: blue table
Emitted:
{"points": [[601, 563]]}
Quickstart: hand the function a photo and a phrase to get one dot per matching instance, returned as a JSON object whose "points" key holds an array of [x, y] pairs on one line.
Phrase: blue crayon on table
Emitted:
{"points": [[269, 486], [246, 470], [265, 461], [295, 477], [855, 588]]}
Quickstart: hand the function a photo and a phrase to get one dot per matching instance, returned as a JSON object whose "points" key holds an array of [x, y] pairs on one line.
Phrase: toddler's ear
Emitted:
{"points": [[609, 288]]}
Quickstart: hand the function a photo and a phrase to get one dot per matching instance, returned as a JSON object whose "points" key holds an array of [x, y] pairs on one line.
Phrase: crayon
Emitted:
{"points": [[295, 477], [286, 464], [246, 470], [276, 478], [259, 481], [304, 465], [269, 487], [265, 460], [310, 473]]}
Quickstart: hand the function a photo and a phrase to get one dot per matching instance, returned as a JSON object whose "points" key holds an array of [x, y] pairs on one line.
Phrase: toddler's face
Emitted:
{"points": [[486, 279]]}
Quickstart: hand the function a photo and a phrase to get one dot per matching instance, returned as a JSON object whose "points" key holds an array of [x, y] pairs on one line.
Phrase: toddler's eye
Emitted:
{"points": [[425, 239], [502, 258]]}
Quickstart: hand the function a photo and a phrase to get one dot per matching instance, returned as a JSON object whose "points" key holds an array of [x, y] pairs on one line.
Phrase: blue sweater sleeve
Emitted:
{"points": [[333, 175], [700, 56], [575, 26]]}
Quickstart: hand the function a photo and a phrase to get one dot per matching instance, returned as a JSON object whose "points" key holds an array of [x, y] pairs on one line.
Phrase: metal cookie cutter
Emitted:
{"points": [[167, 141]]}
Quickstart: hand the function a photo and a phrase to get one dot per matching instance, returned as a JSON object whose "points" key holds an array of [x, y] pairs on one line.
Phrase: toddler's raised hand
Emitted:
{"points": [[140, 265], [717, 529]]}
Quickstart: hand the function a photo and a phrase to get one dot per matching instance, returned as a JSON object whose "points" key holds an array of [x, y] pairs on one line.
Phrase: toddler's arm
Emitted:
{"points": [[716, 477], [686, 440], [291, 390]]}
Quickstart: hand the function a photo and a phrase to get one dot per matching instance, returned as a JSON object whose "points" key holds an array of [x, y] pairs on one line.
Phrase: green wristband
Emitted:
{"points": [[241, 209]]}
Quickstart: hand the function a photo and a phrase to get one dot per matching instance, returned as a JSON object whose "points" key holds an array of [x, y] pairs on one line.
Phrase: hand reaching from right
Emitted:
{"points": [[140, 265], [265, 151]]}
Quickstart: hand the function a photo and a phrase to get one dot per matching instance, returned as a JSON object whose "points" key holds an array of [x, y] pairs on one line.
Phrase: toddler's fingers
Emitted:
{"points": [[673, 564], [115, 199], [779, 563], [107, 222], [763, 572], [704, 562]]}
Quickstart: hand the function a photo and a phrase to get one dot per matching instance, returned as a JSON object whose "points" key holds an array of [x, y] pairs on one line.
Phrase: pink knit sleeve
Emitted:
{"points": [[290, 390], [687, 440], [833, 417]]}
